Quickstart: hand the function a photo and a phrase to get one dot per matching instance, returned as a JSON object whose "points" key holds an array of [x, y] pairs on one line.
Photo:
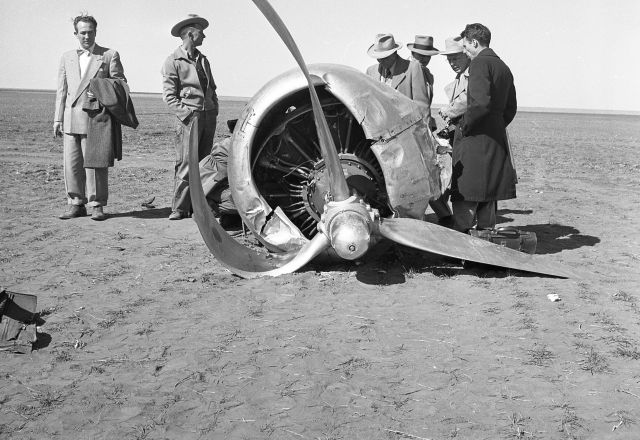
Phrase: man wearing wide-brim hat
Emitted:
{"points": [[456, 90], [399, 73], [422, 50], [189, 90]]}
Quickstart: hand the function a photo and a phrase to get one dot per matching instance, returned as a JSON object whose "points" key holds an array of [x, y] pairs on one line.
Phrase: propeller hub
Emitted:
{"points": [[348, 224]]}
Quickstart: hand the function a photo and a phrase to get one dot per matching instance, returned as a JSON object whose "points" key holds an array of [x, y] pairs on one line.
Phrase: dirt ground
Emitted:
{"points": [[148, 337]]}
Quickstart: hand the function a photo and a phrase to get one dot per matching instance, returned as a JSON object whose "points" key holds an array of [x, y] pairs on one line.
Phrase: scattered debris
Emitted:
{"points": [[148, 203]]}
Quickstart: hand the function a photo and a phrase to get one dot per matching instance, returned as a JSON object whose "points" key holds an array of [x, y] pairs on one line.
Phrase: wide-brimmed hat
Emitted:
{"points": [[190, 20], [384, 46], [452, 45], [424, 45]]}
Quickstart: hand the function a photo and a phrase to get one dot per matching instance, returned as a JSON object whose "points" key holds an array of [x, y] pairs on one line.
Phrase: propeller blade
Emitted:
{"points": [[239, 259], [338, 183], [440, 240]]}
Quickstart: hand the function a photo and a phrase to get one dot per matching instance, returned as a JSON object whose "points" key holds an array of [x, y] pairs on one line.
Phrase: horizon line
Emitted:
{"points": [[526, 109]]}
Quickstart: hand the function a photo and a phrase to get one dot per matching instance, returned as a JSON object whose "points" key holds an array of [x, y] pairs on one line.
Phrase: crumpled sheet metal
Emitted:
{"points": [[411, 172], [405, 152]]}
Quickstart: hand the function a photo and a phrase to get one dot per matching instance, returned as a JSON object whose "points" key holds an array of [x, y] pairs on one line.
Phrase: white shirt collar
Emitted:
{"points": [[90, 50]]}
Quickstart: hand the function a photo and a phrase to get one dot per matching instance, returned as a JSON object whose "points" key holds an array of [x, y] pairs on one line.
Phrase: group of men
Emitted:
{"points": [[482, 102]]}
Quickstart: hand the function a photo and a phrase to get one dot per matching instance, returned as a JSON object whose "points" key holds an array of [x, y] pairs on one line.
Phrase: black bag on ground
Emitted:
{"points": [[17, 321], [509, 236]]}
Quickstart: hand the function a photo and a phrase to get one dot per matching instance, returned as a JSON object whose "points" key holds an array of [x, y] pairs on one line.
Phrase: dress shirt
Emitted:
{"points": [[84, 57]]}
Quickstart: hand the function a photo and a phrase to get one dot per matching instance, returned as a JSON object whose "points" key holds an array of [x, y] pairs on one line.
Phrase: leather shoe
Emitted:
{"points": [[178, 215], [73, 212], [98, 214]]}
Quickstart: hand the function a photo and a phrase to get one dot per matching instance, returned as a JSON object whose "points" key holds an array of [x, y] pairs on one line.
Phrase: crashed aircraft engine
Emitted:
{"points": [[324, 159]]}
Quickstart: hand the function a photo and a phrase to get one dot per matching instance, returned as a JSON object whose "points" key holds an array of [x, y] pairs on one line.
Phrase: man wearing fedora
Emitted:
{"points": [[483, 172], [456, 90], [189, 90], [422, 50], [77, 68], [401, 74]]}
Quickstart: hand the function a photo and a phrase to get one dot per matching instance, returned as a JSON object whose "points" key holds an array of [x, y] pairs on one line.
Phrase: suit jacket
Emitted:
{"points": [[456, 92], [111, 107], [482, 167], [71, 94], [407, 78]]}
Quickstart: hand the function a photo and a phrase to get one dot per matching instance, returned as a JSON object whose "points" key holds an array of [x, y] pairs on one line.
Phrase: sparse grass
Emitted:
{"points": [[528, 323], [621, 419], [569, 422], [540, 356], [607, 322], [594, 362]]}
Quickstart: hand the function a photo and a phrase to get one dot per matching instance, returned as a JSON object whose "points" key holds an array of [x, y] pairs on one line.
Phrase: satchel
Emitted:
{"points": [[509, 236], [17, 321]]}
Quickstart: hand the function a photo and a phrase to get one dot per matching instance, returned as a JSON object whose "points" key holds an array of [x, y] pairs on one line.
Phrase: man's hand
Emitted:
{"points": [[57, 129]]}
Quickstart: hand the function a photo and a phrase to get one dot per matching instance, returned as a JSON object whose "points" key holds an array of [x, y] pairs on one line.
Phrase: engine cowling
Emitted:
{"points": [[276, 172]]}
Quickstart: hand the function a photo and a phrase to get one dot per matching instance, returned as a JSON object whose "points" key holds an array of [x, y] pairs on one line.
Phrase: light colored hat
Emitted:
{"points": [[384, 46], [190, 20], [424, 45], [452, 45]]}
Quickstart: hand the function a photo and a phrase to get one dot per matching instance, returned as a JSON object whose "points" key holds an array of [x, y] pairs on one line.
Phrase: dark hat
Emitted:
{"points": [[190, 20], [423, 45]]}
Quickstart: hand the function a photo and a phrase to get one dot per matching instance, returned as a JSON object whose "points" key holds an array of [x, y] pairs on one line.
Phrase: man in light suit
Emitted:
{"points": [[456, 91], [77, 68]]}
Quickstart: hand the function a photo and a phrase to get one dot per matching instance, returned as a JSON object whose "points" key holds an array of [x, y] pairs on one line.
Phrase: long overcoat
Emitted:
{"points": [[482, 169]]}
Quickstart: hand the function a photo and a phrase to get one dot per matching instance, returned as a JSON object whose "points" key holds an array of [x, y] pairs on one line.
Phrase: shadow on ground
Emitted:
{"points": [[554, 238], [144, 213]]}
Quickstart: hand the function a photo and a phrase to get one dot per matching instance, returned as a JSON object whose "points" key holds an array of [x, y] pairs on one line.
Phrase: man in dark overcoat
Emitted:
{"points": [[482, 169]]}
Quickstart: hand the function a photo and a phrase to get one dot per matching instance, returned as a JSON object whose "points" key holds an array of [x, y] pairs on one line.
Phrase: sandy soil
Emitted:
{"points": [[148, 337]]}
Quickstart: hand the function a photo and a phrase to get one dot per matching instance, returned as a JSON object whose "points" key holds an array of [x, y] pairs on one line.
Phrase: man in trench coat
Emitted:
{"points": [[482, 169]]}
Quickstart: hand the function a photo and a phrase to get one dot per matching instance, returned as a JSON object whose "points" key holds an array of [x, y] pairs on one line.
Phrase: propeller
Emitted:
{"points": [[443, 241], [337, 181]]}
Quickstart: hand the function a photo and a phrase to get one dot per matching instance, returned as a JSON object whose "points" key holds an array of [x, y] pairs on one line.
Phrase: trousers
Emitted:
{"points": [[199, 132], [467, 214], [83, 185]]}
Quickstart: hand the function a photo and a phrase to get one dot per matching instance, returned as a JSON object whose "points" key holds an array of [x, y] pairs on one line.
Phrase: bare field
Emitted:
{"points": [[148, 337]]}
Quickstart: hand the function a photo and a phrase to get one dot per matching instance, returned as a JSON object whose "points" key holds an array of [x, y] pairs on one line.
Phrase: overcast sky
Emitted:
{"points": [[563, 54]]}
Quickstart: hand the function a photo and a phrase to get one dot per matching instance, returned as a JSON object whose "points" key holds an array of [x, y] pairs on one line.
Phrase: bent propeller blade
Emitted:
{"points": [[440, 240], [339, 188], [239, 259]]}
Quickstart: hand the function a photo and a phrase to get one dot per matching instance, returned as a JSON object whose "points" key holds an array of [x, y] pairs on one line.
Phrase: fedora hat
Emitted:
{"points": [[452, 45], [190, 20], [423, 45], [384, 46]]}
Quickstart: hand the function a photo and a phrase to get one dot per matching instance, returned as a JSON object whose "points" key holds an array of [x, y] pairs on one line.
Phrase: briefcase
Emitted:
{"points": [[509, 236], [17, 321]]}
